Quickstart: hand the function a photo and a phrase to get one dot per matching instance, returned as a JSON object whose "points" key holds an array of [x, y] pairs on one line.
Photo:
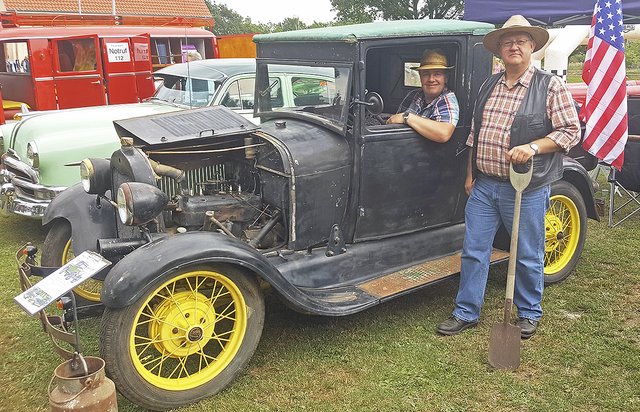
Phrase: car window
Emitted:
{"points": [[310, 91], [239, 95], [317, 92], [179, 90]]}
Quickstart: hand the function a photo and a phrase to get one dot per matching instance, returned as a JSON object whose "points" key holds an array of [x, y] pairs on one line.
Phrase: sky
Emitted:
{"points": [[264, 11]]}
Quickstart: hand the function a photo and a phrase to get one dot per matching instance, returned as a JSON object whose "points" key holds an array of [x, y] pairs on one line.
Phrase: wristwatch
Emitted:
{"points": [[534, 146], [405, 116]]}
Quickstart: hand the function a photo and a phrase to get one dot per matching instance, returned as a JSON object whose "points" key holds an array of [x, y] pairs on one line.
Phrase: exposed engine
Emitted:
{"points": [[223, 195]]}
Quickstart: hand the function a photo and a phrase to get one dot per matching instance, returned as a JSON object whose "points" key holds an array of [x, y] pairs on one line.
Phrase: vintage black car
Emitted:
{"points": [[332, 208]]}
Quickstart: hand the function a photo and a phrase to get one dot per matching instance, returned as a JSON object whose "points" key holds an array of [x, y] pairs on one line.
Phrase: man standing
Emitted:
{"points": [[520, 113], [433, 110]]}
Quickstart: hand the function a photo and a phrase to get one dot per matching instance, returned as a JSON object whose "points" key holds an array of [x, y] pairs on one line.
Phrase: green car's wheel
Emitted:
{"points": [[186, 338], [57, 251], [566, 230]]}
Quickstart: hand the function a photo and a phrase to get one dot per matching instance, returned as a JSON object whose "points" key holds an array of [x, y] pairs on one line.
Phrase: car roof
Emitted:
{"points": [[379, 29], [220, 69]]}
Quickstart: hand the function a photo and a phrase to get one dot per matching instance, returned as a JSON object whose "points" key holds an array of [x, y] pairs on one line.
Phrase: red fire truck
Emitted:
{"points": [[50, 68]]}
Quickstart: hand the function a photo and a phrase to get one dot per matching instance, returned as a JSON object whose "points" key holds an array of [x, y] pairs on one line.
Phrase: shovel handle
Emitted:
{"points": [[511, 272]]}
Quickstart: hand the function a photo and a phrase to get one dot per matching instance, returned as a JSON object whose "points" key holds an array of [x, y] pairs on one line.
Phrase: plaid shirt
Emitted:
{"points": [[500, 110], [443, 108]]}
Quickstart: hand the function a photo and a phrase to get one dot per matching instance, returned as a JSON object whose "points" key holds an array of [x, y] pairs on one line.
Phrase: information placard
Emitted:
{"points": [[52, 287]]}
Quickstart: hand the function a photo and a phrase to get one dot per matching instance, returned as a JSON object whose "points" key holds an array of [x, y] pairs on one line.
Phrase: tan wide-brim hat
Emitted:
{"points": [[433, 60], [515, 24]]}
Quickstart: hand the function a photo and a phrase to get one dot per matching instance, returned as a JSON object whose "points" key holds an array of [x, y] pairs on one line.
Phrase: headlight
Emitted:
{"points": [[32, 155], [139, 203], [95, 175]]}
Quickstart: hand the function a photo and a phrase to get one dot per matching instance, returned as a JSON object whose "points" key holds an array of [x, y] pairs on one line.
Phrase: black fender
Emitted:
{"points": [[132, 276], [89, 220], [577, 175]]}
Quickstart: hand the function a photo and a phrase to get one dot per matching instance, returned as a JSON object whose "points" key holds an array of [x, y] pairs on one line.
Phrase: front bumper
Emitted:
{"points": [[20, 191]]}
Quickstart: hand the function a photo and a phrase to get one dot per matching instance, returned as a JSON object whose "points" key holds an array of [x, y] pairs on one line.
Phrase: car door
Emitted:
{"points": [[142, 66], [407, 182], [119, 71], [77, 71]]}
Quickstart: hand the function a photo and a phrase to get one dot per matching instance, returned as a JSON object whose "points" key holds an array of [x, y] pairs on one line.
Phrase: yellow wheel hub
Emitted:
{"points": [[185, 326], [562, 231], [188, 330]]}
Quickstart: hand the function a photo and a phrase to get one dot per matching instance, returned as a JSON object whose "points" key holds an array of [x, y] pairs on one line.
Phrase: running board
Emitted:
{"points": [[420, 275]]}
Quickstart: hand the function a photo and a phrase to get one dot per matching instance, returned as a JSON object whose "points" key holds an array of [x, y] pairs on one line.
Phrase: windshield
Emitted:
{"points": [[320, 92], [183, 91]]}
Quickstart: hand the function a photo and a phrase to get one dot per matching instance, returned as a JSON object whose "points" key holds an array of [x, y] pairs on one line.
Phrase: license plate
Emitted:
{"points": [[60, 282]]}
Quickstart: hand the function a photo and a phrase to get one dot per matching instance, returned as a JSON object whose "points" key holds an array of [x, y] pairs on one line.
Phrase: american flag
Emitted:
{"points": [[605, 107]]}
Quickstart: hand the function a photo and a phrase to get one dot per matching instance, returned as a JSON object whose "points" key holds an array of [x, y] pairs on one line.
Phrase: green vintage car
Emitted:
{"points": [[42, 152]]}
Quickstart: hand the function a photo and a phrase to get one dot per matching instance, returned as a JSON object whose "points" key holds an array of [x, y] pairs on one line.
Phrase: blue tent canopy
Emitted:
{"points": [[543, 12]]}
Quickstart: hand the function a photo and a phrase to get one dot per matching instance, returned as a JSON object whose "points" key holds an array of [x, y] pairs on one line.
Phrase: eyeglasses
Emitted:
{"points": [[509, 44]]}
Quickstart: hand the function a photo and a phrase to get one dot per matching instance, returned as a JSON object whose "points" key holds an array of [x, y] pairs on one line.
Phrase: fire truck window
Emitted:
{"points": [[77, 55], [16, 56]]}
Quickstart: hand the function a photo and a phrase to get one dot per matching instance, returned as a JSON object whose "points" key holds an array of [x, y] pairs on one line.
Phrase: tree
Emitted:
{"points": [[227, 21], [362, 11]]}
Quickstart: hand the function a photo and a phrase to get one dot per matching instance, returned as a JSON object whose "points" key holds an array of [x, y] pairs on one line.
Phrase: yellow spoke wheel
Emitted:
{"points": [[188, 330], [565, 227], [186, 337], [57, 251], [562, 227], [89, 289]]}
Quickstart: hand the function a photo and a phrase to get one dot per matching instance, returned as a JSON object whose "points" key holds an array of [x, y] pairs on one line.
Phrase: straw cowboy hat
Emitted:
{"points": [[433, 60], [516, 24]]}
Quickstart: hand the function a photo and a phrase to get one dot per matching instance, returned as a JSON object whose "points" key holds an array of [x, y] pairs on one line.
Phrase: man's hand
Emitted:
{"points": [[520, 154], [396, 119], [468, 184]]}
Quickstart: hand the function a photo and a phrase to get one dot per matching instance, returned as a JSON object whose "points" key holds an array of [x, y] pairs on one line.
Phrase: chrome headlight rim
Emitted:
{"points": [[87, 173], [139, 203], [33, 156], [124, 204], [95, 175]]}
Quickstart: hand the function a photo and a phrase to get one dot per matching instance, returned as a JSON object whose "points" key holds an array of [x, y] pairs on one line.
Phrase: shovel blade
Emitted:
{"points": [[504, 346]]}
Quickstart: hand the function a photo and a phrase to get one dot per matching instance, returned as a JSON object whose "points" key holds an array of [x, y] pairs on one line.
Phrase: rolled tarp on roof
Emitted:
{"points": [[543, 12]]}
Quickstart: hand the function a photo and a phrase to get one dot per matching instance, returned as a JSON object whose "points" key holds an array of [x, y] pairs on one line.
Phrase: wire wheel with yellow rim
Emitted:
{"points": [[565, 232], [57, 251], [186, 337]]}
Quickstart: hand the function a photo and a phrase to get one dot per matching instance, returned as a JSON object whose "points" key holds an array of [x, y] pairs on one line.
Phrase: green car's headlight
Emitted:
{"points": [[95, 175], [32, 155], [139, 203]]}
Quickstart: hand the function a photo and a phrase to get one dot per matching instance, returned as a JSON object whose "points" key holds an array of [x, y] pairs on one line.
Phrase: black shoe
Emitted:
{"points": [[527, 327], [453, 326]]}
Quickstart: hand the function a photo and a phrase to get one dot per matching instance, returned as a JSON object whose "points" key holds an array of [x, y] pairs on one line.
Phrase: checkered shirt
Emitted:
{"points": [[500, 110], [443, 108]]}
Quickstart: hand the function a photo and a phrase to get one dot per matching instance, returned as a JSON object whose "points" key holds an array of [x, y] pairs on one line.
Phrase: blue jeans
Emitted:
{"points": [[491, 203]]}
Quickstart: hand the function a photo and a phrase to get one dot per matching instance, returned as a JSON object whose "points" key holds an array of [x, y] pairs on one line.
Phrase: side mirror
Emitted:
{"points": [[374, 103]]}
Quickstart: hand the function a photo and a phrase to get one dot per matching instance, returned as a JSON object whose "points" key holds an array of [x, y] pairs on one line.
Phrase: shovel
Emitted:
{"points": [[504, 344]]}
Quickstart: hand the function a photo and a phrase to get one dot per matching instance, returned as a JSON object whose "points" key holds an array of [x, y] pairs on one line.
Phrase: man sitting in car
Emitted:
{"points": [[432, 111]]}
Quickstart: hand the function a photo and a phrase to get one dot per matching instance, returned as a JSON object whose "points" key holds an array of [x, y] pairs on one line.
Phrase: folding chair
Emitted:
{"points": [[625, 184]]}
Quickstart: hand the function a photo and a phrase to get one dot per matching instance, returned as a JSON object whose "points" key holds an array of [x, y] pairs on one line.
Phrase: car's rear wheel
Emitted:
{"points": [[187, 337], [57, 251], [565, 231]]}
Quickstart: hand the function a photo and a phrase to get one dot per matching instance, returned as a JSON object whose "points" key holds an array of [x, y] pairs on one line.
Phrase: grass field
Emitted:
{"points": [[586, 355]]}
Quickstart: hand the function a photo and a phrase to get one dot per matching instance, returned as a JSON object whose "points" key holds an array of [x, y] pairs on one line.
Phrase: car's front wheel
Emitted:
{"points": [[186, 338], [57, 251], [565, 231]]}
